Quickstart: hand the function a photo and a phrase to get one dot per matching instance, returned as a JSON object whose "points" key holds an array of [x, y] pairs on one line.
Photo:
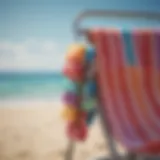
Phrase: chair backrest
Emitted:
{"points": [[128, 74]]}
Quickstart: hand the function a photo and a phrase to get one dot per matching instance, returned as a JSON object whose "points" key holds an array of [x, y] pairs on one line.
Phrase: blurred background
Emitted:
{"points": [[34, 36]]}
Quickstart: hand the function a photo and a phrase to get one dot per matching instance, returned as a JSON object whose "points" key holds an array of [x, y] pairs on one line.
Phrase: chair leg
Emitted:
{"points": [[107, 133], [131, 156], [109, 139]]}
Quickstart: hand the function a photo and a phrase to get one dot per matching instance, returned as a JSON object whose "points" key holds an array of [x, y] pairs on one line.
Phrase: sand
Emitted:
{"points": [[35, 131]]}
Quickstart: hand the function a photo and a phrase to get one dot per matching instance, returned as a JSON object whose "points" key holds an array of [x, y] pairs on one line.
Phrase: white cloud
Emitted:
{"points": [[31, 54]]}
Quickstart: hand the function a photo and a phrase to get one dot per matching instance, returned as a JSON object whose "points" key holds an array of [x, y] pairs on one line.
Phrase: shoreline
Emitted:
{"points": [[30, 103]]}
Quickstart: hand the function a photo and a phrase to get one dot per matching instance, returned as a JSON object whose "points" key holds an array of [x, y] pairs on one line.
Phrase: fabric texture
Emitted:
{"points": [[128, 73]]}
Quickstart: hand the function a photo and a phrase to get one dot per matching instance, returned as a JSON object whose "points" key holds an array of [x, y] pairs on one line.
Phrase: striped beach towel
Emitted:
{"points": [[128, 72]]}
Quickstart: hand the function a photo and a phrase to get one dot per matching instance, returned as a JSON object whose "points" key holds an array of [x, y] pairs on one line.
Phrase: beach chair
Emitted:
{"points": [[128, 78]]}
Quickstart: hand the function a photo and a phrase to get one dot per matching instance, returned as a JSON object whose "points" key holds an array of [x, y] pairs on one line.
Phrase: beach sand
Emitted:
{"points": [[35, 131]]}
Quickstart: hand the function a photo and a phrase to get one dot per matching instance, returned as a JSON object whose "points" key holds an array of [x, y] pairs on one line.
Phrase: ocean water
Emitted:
{"points": [[31, 86]]}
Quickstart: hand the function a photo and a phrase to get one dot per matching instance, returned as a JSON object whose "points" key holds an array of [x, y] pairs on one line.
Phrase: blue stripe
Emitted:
{"points": [[129, 50]]}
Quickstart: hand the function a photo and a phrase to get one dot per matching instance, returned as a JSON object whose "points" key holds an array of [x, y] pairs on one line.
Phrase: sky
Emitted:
{"points": [[35, 34]]}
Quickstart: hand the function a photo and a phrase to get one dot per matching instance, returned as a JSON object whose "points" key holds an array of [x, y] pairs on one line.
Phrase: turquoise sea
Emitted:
{"points": [[30, 86]]}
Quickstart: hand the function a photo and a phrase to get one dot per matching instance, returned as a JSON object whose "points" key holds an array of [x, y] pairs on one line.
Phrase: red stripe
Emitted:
{"points": [[107, 111], [147, 75], [108, 76], [133, 117], [101, 87], [118, 47], [123, 84], [135, 80], [143, 38], [108, 71], [105, 73], [157, 48], [144, 47], [146, 111], [119, 61]]}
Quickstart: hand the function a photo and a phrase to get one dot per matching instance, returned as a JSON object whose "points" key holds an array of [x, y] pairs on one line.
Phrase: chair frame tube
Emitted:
{"points": [[78, 31]]}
